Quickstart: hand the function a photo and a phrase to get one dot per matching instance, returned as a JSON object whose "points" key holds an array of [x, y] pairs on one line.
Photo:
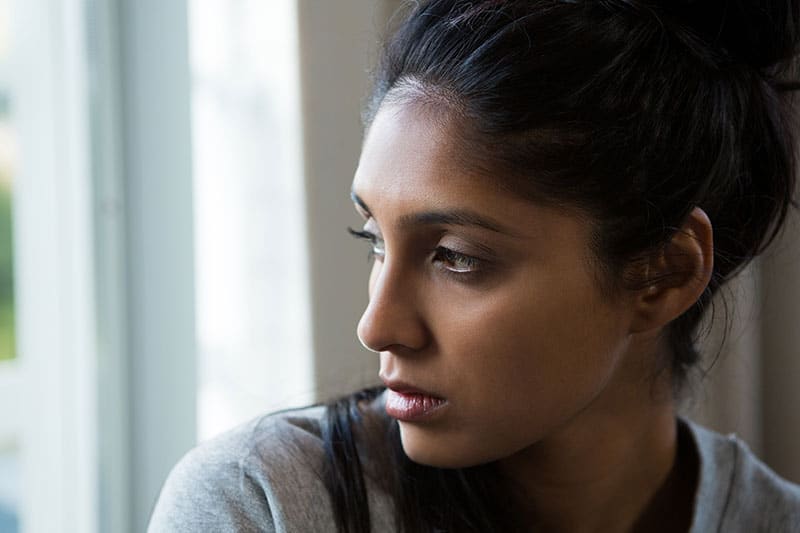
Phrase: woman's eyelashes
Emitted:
{"points": [[377, 248], [451, 262], [456, 262]]}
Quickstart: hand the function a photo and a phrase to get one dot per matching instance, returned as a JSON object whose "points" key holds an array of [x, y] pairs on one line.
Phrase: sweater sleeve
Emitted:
{"points": [[212, 489], [265, 476]]}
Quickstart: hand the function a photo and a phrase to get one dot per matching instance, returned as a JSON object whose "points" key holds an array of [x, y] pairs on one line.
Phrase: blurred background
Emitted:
{"points": [[174, 193]]}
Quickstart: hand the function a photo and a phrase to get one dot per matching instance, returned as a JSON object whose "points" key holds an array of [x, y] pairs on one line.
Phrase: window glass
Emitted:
{"points": [[253, 333], [9, 456], [7, 158], [9, 476]]}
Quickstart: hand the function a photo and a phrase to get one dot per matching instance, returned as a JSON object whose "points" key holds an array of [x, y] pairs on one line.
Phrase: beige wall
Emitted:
{"points": [[727, 396], [339, 43], [753, 389], [780, 323]]}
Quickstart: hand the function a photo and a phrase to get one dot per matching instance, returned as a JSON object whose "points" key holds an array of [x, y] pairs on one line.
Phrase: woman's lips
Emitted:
{"points": [[410, 405]]}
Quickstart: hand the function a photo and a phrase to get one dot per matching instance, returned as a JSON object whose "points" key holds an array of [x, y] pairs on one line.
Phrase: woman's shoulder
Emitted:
{"points": [[259, 476], [736, 491]]}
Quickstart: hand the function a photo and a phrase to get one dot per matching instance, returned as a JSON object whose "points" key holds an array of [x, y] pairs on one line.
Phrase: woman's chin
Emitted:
{"points": [[433, 448]]}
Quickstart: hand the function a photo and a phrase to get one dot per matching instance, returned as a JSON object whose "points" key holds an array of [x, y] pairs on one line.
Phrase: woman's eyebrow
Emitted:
{"points": [[453, 217], [449, 217]]}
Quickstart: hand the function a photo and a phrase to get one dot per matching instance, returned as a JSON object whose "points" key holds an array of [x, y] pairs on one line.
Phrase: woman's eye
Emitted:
{"points": [[452, 262], [456, 262], [377, 250]]}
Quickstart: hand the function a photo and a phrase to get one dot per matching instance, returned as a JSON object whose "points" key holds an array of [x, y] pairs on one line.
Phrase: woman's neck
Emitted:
{"points": [[615, 467]]}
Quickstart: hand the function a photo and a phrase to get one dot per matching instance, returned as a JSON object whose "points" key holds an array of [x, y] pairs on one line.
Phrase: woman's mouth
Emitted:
{"points": [[411, 405]]}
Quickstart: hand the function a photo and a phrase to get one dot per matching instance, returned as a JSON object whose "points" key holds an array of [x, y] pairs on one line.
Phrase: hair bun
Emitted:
{"points": [[761, 33]]}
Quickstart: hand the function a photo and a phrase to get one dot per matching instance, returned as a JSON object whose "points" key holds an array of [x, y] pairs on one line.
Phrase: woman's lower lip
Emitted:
{"points": [[411, 406]]}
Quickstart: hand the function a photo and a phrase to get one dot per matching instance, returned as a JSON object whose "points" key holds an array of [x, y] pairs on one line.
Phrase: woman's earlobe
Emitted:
{"points": [[677, 275]]}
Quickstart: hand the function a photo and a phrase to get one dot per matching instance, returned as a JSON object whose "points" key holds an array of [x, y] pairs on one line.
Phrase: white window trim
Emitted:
{"points": [[104, 386]]}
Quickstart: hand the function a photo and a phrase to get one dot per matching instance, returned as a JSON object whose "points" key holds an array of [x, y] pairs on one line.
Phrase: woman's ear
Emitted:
{"points": [[676, 276]]}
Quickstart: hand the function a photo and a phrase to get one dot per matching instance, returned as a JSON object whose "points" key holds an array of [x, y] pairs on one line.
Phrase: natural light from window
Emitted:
{"points": [[252, 311], [9, 456]]}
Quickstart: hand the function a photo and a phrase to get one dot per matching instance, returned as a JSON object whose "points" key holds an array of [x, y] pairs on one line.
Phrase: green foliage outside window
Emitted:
{"points": [[7, 342]]}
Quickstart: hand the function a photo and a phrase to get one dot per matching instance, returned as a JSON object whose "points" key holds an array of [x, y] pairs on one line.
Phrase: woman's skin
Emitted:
{"points": [[542, 369]]}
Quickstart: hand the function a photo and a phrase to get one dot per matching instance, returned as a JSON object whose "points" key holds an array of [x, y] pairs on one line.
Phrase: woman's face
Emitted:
{"points": [[480, 298]]}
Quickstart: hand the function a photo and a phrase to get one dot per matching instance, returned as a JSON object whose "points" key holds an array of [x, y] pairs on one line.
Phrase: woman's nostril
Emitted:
{"points": [[364, 334]]}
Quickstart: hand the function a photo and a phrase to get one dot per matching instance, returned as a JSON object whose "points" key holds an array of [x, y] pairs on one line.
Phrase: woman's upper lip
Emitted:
{"points": [[406, 388]]}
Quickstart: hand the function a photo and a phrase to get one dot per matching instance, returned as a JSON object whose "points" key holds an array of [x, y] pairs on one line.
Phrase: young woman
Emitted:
{"points": [[552, 191]]}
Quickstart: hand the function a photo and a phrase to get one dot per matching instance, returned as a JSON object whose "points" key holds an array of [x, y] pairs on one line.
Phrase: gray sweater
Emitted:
{"points": [[266, 476]]}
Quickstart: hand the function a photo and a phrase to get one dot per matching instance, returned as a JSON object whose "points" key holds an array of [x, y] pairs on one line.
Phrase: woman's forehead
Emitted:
{"points": [[408, 163], [405, 140], [410, 170]]}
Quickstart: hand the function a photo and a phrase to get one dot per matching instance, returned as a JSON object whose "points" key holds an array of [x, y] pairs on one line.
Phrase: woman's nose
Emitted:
{"points": [[392, 319]]}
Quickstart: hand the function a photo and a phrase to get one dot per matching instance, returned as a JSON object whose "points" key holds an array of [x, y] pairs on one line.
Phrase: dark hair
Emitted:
{"points": [[426, 499], [632, 111]]}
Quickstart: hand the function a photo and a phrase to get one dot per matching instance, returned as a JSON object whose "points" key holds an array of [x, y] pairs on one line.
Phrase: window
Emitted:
{"points": [[7, 160], [252, 323], [9, 456]]}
